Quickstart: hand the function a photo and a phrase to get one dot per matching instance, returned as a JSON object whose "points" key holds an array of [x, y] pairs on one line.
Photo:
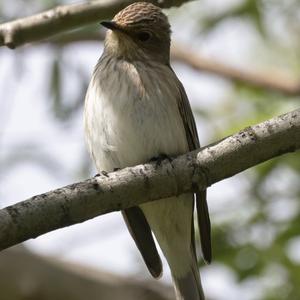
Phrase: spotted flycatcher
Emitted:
{"points": [[137, 109]]}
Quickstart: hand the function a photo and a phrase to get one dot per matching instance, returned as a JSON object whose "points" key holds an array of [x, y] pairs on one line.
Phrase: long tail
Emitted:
{"points": [[171, 220], [188, 287]]}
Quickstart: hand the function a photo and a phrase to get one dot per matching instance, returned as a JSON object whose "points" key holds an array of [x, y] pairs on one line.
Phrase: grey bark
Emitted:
{"points": [[128, 187]]}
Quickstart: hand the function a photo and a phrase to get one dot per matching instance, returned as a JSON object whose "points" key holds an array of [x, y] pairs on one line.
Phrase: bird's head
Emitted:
{"points": [[140, 31]]}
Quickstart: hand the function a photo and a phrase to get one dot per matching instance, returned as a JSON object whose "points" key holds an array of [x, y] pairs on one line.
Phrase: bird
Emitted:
{"points": [[136, 109]]}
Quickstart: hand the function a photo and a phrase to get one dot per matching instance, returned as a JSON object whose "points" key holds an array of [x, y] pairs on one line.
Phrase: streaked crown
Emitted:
{"points": [[142, 13], [140, 31]]}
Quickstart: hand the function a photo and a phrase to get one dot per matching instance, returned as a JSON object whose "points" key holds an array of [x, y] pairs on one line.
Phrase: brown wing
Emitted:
{"points": [[141, 233], [193, 142]]}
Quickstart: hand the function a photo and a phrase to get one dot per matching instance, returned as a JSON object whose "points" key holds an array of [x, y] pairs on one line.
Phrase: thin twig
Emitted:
{"points": [[132, 186], [274, 82]]}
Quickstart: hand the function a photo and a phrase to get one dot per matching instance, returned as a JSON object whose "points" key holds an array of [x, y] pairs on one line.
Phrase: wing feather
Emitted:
{"points": [[142, 235], [193, 143]]}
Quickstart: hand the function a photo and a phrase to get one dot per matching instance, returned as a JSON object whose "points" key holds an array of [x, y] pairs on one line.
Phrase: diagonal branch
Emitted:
{"points": [[63, 18], [277, 82], [273, 82], [132, 186]]}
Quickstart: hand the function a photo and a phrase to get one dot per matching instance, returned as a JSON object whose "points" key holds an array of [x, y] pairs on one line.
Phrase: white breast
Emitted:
{"points": [[131, 115]]}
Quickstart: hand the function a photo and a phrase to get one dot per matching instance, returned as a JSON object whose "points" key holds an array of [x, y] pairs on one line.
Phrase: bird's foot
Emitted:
{"points": [[160, 158], [103, 173]]}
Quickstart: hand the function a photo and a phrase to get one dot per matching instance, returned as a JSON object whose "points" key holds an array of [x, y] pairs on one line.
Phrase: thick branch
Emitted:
{"points": [[132, 186], [62, 18]]}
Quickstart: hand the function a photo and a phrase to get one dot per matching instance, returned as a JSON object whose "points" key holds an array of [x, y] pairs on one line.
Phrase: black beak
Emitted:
{"points": [[110, 25]]}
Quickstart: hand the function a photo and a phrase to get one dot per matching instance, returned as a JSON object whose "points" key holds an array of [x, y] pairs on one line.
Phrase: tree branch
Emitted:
{"points": [[273, 82], [25, 275], [63, 18], [199, 169], [277, 82]]}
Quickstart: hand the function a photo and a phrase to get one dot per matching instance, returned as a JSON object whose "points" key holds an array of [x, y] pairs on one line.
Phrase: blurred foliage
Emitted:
{"points": [[256, 245], [64, 110], [259, 247], [249, 9]]}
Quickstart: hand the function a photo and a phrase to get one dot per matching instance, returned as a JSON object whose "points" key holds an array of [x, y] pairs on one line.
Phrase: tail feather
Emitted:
{"points": [[188, 287]]}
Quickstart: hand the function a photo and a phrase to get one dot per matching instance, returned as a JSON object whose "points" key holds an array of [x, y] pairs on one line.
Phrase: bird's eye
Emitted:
{"points": [[144, 36]]}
